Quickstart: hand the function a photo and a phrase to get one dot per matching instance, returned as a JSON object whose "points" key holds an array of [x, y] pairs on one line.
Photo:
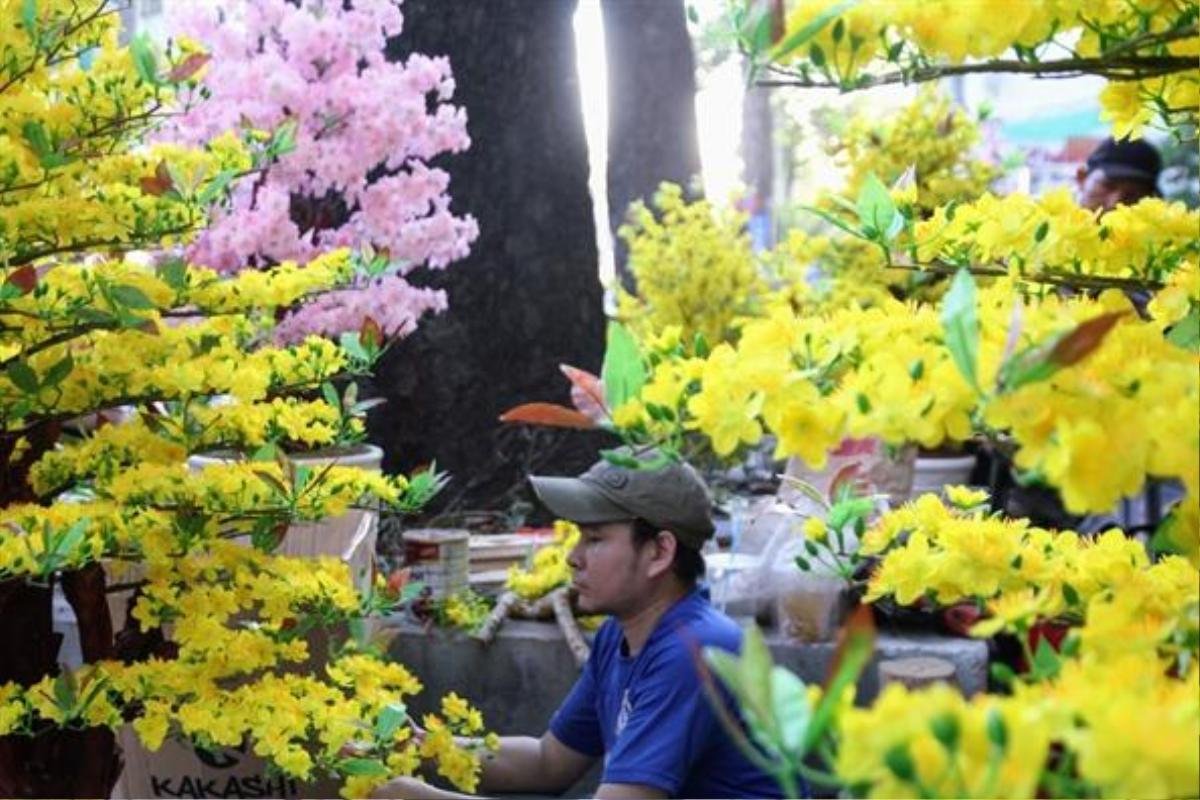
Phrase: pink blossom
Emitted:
{"points": [[324, 66]]}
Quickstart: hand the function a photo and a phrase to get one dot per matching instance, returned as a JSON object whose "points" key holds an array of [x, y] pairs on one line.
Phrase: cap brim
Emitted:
{"points": [[576, 500], [1119, 171]]}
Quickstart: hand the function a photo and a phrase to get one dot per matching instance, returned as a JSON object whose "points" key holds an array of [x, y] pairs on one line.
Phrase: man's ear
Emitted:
{"points": [[1081, 174], [662, 553]]}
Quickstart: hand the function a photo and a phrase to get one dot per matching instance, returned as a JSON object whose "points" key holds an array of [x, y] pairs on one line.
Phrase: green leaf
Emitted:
{"points": [[803, 563], [1186, 332], [144, 61], [329, 395], [816, 54], [839, 30], [876, 210], [268, 452], [803, 36], [835, 222], [961, 326], [215, 187], [790, 708], [64, 696], [900, 762], [848, 510], [390, 720], [1070, 595], [1002, 673], [363, 766], [916, 369], [620, 459], [22, 376], [623, 373], [1041, 231], [29, 19], [997, 731], [173, 272], [131, 297], [1046, 662], [35, 134], [350, 342], [57, 373]]}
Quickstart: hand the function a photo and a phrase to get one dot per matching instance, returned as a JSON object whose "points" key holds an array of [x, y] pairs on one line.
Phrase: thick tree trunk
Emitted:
{"points": [[758, 163], [528, 297], [651, 105]]}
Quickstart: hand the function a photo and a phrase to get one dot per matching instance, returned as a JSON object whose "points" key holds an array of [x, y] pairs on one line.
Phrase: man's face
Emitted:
{"points": [[1099, 192], [611, 574]]}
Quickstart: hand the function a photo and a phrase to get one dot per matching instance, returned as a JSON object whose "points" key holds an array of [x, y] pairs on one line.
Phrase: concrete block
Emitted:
{"points": [[811, 660]]}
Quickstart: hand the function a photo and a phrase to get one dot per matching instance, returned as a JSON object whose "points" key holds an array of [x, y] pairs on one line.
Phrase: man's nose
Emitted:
{"points": [[574, 560]]}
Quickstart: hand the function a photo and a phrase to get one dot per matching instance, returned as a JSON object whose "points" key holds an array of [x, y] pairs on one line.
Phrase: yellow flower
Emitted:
{"points": [[815, 529], [965, 497]]}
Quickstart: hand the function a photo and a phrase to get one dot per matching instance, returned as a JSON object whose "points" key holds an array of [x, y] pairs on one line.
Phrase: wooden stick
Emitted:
{"points": [[566, 622], [487, 631], [533, 609]]}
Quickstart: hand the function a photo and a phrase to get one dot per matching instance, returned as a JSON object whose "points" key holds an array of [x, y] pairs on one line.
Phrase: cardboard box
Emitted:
{"points": [[179, 770]]}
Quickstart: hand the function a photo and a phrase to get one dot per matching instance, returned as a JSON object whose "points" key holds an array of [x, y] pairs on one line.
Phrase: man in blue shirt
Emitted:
{"points": [[639, 702]]}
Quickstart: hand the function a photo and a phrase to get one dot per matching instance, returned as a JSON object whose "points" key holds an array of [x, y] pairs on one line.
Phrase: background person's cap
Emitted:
{"points": [[1135, 159], [672, 497]]}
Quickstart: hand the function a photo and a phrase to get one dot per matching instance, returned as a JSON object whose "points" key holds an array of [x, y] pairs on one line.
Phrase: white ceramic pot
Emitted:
{"points": [[931, 473], [351, 536]]}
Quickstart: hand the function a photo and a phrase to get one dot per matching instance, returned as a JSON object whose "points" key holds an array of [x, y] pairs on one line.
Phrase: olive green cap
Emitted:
{"points": [[671, 496]]}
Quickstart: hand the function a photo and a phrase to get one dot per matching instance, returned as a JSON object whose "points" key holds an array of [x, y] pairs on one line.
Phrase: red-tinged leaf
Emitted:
{"points": [[24, 278], [856, 638], [371, 333], [587, 392], [397, 581], [849, 476], [550, 414], [160, 183], [777, 21], [960, 618], [1087, 336], [188, 67]]}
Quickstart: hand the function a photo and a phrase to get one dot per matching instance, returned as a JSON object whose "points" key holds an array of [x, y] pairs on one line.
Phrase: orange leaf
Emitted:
{"points": [[24, 278], [587, 392], [856, 638], [397, 581], [1086, 337], [371, 332], [188, 67], [778, 22], [160, 183], [550, 414]]}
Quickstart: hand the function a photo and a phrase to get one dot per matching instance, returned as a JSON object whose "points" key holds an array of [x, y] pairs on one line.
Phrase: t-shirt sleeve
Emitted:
{"points": [[668, 725], [576, 723]]}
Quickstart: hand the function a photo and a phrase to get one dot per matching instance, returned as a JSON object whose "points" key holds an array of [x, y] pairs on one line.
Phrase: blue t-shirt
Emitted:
{"points": [[650, 714]]}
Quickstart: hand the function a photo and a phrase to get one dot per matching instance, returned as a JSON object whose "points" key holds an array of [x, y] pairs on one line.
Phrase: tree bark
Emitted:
{"points": [[528, 297], [758, 162], [651, 106]]}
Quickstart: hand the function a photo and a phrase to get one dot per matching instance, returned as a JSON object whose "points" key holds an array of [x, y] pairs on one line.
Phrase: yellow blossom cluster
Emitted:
{"points": [[244, 623], [692, 264], [170, 437], [886, 371], [949, 554], [859, 40], [548, 568], [1130, 729], [70, 178], [465, 610], [931, 136], [1052, 235]]}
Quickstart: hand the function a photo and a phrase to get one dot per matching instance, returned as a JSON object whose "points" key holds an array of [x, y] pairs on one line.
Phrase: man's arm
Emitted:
{"points": [[526, 764], [522, 764]]}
